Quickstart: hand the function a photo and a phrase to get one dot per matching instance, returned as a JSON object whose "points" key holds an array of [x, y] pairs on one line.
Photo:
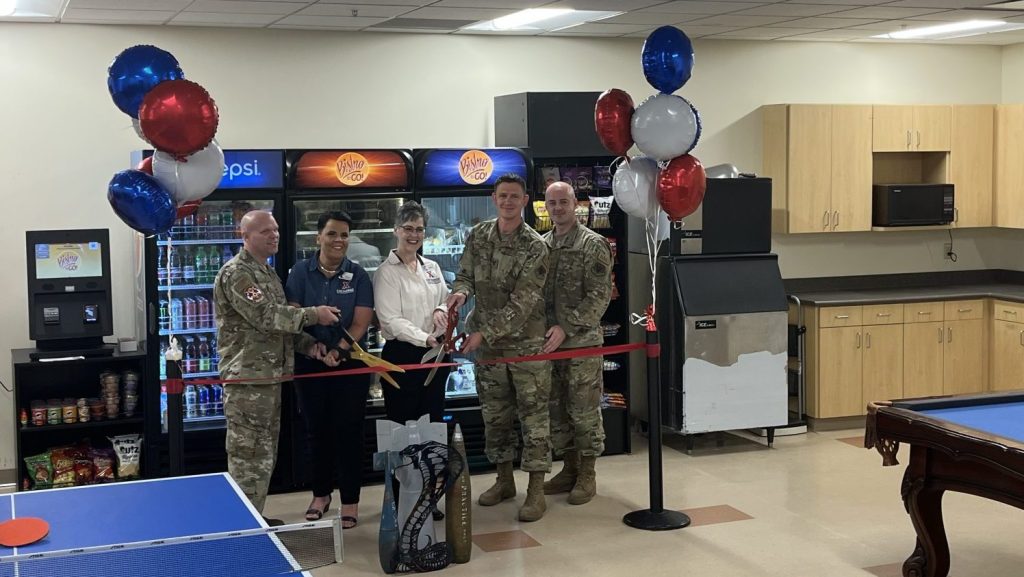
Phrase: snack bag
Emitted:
{"points": [[103, 465], [583, 212], [584, 181], [615, 288], [569, 175], [602, 178], [40, 470], [543, 221], [63, 461], [602, 208], [548, 176], [128, 449], [614, 246]]}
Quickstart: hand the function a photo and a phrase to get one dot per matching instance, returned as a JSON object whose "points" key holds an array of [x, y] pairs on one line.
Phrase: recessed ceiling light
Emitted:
{"points": [[951, 30], [7, 7], [540, 20]]}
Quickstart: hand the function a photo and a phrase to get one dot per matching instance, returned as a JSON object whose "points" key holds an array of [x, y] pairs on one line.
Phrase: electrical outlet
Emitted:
{"points": [[947, 248]]}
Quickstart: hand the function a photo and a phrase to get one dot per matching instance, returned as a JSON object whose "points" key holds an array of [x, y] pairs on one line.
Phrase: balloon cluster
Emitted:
{"points": [[665, 128], [179, 119]]}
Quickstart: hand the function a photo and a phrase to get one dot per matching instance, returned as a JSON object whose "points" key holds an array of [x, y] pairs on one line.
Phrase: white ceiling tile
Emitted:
{"points": [[950, 4], [381, 2], [580, 34], [695, 31], [888, 25], [884, 12], [458, 13], [826, 22], [795, 10], [85, 16], [322, 28], [330, 21], [531, 32], [653, 18], [831, 35], [701, 7], [222, 19], [740, 20], [759, 33], [368, 10], [514, 4], [247, 7], [164, 5], [956, 15], [602, 28], [617, 5], [411, 30], [844, 2]]}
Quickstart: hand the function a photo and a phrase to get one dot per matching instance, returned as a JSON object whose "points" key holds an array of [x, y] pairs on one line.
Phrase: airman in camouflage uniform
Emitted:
{"points": [[257, 334], [576, 294], [504, 266]]}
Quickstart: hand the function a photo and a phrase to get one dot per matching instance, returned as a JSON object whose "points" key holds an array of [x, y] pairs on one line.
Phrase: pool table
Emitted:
{"points": [[971, 444]]}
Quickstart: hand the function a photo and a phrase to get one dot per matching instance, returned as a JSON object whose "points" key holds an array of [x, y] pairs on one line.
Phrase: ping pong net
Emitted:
{"points": [[260, 552]]}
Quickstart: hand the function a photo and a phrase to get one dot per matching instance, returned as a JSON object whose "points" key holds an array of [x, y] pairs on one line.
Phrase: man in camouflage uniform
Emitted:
{"points": [[504, 266], [576, 294], [257, 334]]}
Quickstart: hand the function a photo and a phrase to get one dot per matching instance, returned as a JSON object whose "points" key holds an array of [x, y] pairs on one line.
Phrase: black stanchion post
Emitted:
{"points": [[175, 419], [656, 518]]}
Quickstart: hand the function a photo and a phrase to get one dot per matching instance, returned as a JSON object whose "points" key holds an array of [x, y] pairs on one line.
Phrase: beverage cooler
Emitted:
{"points": [[174, 296], [455, 186], [370, 185]]}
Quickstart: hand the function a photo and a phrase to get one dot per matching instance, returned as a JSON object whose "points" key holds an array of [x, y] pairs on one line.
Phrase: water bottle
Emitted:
{"points": [[177, 314]]}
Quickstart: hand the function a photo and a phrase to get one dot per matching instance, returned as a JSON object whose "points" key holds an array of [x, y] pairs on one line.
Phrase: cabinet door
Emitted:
{"points": [[922, 358], [1007, 356], [964, 362], [932, 128], [971, 158], [810, 173], [1009, 195], [883, 363], [840, 372], [892, 128], [851, 168]]}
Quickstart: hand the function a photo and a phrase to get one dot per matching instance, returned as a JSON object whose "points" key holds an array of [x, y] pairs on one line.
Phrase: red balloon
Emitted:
{"points": [[681, 186], [178, 117], [612, 116], [146, 165], [188, 208]]}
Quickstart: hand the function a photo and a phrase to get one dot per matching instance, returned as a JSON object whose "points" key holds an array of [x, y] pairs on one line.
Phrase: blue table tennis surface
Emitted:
{"points": [[1002, 419], [143, 511]]}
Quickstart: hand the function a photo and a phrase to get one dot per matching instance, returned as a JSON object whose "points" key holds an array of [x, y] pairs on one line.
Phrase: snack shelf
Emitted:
{"points": [[85, 425]]}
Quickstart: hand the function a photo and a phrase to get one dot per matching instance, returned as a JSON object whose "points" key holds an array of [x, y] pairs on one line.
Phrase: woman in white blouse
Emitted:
{"points": [[409, 294]]}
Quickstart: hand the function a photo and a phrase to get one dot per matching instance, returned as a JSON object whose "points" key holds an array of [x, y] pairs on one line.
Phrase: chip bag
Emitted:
{"points": [[128, 449], [543, 221], [602, 208], [103, 465], [40, 470], [583, 212]]}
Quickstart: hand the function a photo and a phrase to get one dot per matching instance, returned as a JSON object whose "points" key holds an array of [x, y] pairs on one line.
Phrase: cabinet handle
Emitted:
{"points": [[824, 221], [841, 317], [1009, 312], [835, 219], [918, 139], [908, 140], [949, 337], [885, 314], [956, 214], [867, 340], [924, 312], [963, 310], [858, 339], [1022, 338], [940, 334]]}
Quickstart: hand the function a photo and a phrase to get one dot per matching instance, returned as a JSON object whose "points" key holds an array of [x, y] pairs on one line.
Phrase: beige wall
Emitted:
{"points": [[1013, 73], [63, 138]]}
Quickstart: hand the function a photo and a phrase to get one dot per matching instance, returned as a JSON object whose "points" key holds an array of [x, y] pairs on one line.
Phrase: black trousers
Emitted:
{"points": [[333, 409], [413, 400]]}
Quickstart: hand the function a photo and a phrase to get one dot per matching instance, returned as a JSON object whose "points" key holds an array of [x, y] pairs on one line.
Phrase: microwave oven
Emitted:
{"points": [[912, 204]]}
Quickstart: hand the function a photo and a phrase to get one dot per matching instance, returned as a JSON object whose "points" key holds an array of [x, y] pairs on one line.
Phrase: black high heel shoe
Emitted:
{"points": [[313, 514]]}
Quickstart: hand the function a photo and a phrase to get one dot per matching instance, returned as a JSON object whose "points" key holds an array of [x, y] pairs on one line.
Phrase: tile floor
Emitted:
{"points": [[817, 504]]}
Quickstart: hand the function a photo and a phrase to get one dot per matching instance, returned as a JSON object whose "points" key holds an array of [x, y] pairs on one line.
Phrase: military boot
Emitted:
{"points": [[565, 480], [504, 488], [586, 482], [535, 505]]}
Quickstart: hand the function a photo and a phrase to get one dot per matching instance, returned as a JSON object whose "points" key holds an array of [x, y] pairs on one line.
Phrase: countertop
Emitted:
{"points": [[1004, 291]]}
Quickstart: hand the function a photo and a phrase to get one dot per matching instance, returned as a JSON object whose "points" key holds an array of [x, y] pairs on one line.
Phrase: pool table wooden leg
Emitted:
{"points": [[924, 504]]}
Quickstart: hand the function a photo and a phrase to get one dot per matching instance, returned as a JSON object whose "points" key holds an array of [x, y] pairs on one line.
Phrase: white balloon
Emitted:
{"points": [[722, 171], [138, 130], [634, 187], [665, 126], [194, 178]]}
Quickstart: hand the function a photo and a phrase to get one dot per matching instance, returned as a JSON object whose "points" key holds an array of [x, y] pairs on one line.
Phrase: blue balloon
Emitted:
{"points": [[135, 72], [141, 202], [667, 58]]}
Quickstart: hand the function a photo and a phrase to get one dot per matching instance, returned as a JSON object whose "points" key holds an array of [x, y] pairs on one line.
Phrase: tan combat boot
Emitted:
{"points": [[504, 488], [535, 505], [565, 480], [586, 482]]}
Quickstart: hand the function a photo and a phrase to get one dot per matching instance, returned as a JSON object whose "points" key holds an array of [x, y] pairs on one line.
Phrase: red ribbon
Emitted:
{"points": [[555, 356]]}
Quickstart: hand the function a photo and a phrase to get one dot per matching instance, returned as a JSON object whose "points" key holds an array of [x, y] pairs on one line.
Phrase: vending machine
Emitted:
{"points": [[174, 300]]}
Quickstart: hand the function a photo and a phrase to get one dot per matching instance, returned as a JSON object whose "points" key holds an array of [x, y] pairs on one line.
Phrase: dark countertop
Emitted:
{"points": [[1004, 291]]}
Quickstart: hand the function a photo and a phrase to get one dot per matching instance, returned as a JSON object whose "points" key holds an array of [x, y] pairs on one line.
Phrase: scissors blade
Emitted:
{"points": [[433, 354]]}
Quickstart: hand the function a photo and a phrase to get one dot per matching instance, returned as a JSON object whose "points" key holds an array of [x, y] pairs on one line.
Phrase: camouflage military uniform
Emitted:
{"points": [[506, 274], [576, 294], [257, 333]]}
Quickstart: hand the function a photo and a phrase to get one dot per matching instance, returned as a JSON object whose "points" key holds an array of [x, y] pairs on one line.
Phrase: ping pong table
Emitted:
{"points": [[147, 510]]}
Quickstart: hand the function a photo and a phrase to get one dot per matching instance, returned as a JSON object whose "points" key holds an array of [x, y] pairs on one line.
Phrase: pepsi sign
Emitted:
{"points": [[252, 169]]}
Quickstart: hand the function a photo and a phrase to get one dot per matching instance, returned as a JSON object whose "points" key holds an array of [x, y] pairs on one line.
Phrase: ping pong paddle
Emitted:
{"points": [[23, 531]]}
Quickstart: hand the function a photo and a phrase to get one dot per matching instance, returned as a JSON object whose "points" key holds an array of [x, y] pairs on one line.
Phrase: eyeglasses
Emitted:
{"points": [[413, 229]]}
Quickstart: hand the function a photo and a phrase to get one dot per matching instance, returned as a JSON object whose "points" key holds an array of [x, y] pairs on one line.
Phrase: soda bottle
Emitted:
{"points": [[190, 313], [203, 400], [190, 360], [226, 255], [227, 222], [188, 266], [161, 266], [199, 264], [174, 258], [177, 315], [191, 411], [165, 314], [217, 399], [213, 261], [203, 318], [163, 362], [214, 353], [201, 218], [188, 224], [204, 355]]}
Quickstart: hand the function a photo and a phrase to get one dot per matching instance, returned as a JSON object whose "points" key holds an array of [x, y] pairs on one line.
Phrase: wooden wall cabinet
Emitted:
{"points": [[911, 128], [971, 164], [819, 158], [1009, 170]]}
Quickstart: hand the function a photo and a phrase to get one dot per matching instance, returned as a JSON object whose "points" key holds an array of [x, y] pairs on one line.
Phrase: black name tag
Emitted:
{"points": [[701, 325]]}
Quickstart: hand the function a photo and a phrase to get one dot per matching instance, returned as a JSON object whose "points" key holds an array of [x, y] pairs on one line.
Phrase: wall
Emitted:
{"points": [[63, 138], [1013, 79]]}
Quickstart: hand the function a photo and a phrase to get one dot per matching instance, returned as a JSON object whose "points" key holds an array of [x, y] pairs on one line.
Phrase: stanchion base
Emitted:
{"points": [[656, 521]]}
